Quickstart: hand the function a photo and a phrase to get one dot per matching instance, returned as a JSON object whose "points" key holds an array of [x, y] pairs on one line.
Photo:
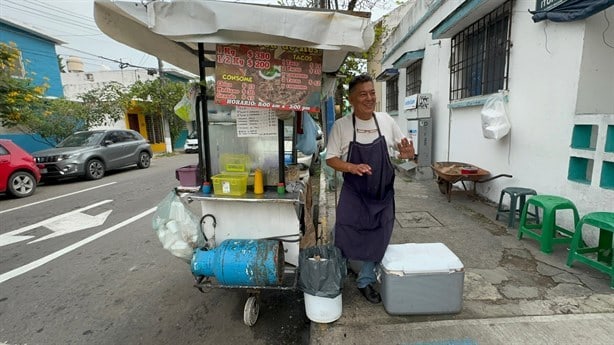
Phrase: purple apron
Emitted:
{"points": [[365, 213]]}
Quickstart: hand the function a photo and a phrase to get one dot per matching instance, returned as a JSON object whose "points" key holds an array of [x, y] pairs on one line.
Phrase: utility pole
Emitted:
{"points": [[165, 125]]}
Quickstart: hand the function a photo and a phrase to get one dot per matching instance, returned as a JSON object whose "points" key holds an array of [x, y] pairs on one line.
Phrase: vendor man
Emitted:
{"points": [[360, 147]]}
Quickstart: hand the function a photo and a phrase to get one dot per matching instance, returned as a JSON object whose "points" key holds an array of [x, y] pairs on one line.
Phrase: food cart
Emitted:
{"points": [[267, 61]]}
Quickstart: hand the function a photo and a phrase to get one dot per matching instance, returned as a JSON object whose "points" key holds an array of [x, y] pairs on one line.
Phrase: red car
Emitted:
{"points": [[19, 173]]}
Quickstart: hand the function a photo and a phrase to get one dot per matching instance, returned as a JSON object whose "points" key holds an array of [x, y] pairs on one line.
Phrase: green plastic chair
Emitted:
{"points": [[547, 232], [579, 251], [518, 196]]}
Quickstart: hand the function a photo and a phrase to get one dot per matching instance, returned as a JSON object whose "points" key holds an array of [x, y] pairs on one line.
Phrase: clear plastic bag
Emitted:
{"points": [[178, 229], [495, 124]]}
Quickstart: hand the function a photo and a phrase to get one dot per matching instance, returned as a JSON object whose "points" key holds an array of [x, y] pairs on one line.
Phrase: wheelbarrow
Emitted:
{"points": [[449, 173]]}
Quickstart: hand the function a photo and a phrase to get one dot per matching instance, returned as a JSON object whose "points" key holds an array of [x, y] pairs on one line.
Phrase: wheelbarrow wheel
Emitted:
{"points": [[251, 310], [443, 186]]}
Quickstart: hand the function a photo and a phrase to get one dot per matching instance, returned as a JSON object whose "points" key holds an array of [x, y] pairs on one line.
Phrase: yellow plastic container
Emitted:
{"points": [[234, 184], [230, 162]]}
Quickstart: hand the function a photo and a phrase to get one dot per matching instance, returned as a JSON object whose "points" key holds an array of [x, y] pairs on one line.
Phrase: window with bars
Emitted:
{"points": [[154, 129], [392, 94], [413, 78], [479, 62]]}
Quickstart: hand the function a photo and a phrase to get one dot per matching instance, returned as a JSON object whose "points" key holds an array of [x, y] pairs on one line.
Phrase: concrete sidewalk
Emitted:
{"points": [[513, 293]]}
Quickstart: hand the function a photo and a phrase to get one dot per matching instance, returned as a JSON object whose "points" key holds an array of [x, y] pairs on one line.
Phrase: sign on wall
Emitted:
{"points": [[547, 5], [274, 77]]}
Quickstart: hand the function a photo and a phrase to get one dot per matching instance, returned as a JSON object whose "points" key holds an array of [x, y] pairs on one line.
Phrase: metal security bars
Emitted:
{"points": [[479, 61], [392, 94], [413, 78]]}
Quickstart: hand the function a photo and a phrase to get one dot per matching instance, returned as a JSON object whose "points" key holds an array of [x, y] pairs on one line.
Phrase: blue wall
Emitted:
{"points": [[38, 55], [28, 142]]}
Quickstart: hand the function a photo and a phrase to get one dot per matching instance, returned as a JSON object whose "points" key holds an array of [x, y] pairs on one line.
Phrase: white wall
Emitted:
{"points": [[556, 70], [596, 92], [76, 83]]}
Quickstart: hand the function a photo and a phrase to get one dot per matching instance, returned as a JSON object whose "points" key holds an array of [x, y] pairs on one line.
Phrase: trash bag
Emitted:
{"points": [[178, 229], [322, 270], [495, 124]]}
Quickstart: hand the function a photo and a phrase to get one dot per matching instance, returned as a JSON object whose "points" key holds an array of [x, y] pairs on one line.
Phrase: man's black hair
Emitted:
{"points": [[359, 79]]}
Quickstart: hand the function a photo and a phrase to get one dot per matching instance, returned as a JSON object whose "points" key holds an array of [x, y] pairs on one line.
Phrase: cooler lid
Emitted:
{"points": [[414, 258]]}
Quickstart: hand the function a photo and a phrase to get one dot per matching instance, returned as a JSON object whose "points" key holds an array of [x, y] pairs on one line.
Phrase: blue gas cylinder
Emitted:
{"points": [[241, 262]]}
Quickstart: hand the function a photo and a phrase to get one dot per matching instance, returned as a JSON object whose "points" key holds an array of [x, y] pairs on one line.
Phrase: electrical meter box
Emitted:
{"points": [[417, 111], [417, 106]]}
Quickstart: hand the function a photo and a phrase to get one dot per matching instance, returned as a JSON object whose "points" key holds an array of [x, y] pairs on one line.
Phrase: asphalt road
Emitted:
{"points": [[81, 264]]}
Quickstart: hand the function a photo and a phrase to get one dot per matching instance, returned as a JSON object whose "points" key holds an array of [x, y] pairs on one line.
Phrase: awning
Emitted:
{"points": [[171, 30], [387, 74], [568, 10], [408, 58], [464, 15]]}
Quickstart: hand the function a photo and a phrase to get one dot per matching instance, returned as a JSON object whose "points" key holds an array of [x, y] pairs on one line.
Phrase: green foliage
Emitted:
{"points": [[56, 120], [61, 64], [19, 96], [105, 105], [157, 97]]}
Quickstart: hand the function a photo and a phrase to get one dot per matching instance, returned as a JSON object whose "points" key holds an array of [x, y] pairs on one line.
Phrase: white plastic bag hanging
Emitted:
{"points": [[185, 108], [177, 227], [495, 124]]}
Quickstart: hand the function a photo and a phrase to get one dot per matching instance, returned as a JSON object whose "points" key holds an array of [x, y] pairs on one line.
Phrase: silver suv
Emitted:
{"points": [[90, 154]]}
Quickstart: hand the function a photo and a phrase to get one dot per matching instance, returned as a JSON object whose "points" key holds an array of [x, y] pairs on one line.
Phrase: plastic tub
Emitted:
{"points": [[235, 163], [323, 309], [234, 184], [188, 176]]}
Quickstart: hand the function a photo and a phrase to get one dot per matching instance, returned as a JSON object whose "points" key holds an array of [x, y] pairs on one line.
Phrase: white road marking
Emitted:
{"points": [[9, 237], [56, 197], [77, 222], [37, 263]]}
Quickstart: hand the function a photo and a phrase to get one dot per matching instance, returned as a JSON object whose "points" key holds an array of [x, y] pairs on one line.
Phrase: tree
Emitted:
{"points": [[157, 98], [19, 96]]}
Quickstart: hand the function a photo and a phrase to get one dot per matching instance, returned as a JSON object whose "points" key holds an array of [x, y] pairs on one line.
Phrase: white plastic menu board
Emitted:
{"points": [[273, 77], [256, 122]]}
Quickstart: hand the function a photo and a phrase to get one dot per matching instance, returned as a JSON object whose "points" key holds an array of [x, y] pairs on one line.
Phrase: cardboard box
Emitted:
{"points": [[421, 278]]}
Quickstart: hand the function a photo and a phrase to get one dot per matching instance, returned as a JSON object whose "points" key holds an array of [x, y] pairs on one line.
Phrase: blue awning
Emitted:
{"points": [[570, 10], [464, 15], [408, 58], [387, 74]]}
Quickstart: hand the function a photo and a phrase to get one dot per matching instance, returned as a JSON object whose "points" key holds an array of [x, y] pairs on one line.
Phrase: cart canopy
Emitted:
{"points": [[171, 30]]}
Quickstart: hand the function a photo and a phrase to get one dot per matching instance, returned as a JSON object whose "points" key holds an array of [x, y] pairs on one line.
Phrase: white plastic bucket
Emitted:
{"points": [[323, 309]]}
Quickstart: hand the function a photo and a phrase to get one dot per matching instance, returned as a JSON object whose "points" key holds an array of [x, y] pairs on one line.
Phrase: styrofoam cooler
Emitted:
{"points": [[421, 278]]}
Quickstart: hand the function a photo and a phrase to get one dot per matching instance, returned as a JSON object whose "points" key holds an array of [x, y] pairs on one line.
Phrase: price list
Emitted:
{"points": [[274, 77], [255, 122]]}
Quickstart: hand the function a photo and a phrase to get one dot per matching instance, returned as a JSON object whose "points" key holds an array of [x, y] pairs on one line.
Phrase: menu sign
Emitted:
{"points": [[254, 122], [274, 77]]}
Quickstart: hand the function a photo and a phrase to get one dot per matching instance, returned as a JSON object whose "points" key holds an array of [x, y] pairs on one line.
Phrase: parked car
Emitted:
{"points": [[191, 143], [90, 154], [19, 174]]}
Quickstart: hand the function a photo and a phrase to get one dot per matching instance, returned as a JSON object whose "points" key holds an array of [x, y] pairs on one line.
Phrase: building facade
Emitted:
{"points": [[39, 61], [556, 75]]}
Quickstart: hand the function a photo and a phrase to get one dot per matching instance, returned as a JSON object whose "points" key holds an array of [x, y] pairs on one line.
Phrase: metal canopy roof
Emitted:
{"points": [[171, 30]]}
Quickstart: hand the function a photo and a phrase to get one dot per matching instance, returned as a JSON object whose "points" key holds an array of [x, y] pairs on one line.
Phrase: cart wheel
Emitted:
{"points": [[250, 312], [443, 186]]}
